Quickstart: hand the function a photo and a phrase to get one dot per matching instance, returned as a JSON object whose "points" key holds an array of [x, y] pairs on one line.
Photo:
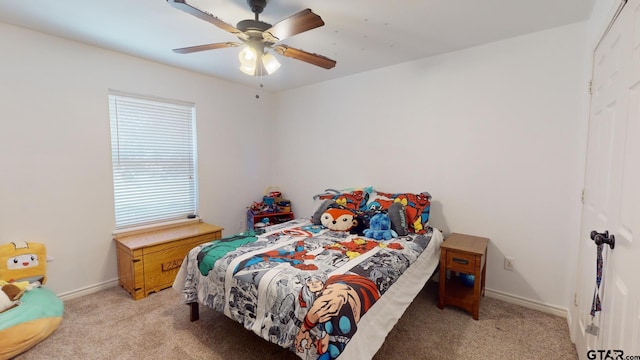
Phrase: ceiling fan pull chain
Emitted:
{"points": [[259, 82]]}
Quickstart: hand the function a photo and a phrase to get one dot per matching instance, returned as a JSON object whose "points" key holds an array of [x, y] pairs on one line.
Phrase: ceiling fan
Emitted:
{"points": [[260, 36]]}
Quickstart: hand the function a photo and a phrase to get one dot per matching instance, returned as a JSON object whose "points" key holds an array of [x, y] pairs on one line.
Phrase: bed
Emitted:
{"points": [[318, 292]]}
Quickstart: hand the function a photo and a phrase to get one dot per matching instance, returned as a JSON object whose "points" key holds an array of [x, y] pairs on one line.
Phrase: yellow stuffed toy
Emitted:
{"points": [[28, 312], [23, 261]]}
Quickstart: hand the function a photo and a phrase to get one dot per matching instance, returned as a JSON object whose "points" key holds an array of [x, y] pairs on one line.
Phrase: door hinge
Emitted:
{"points": [[590, 87], [582, 197], [575, 299]]}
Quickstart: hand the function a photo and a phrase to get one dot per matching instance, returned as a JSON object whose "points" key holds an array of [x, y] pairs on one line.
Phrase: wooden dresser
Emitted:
{"points": [[149, 261]]}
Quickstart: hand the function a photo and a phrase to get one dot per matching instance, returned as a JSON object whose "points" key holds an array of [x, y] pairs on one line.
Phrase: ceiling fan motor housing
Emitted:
{"points": [[254, 29], [257, 5], [248, 25]]}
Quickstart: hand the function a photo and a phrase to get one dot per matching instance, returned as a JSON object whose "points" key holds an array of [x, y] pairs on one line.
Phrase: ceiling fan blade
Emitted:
{"points": [[203, 15], [313, 59], [192, 49], [295, 24]]}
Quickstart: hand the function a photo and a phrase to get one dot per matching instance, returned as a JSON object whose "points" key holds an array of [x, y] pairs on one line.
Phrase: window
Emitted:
{"points": [[154, 159]]}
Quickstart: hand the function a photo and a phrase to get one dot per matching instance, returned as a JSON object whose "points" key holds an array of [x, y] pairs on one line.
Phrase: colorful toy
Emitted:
{"points": [[28, 312], [338, 219], [380, 228]]}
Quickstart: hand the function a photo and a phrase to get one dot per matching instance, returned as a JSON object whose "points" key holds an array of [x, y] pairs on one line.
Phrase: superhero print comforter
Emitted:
{"points": [[309, 289]]}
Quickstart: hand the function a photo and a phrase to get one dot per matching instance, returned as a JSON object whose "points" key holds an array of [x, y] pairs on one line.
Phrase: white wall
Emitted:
{"points": [[494, 133], [55, 150]]}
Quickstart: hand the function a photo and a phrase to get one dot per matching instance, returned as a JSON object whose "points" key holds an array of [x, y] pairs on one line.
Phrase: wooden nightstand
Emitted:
{"points": [[468, 255], [149, 261]]}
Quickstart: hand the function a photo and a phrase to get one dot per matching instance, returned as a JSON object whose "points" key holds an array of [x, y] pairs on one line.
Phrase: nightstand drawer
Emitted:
{"points": [[462, 262]]}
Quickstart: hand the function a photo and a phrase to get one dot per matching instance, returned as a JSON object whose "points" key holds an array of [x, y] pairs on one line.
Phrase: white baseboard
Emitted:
{"points": [[87, 290], [528, 303]]}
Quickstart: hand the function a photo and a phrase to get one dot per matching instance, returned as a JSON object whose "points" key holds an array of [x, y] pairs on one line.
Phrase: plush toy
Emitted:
{"points": [[338, 219], [28, 312], [360, 223], [9, 296], [23, 261], [380, 228], [22, 285]]}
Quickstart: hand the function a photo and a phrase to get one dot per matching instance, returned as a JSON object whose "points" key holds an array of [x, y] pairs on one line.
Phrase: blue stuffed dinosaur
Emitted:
{"points": [[380, 228]]}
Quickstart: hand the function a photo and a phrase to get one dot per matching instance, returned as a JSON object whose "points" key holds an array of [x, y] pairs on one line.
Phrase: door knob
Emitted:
{"points": [[603, 238]]}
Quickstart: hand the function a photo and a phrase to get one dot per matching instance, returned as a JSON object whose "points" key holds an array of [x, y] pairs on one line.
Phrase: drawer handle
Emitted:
{"points": [[460, 261]]}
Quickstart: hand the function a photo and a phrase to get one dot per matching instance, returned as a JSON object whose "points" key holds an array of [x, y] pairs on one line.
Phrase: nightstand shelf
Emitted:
{"points": [[274, 218], [464, 254]]}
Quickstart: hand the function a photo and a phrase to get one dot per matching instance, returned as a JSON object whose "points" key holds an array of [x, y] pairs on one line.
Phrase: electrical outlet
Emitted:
{"points": [[509, 263]]}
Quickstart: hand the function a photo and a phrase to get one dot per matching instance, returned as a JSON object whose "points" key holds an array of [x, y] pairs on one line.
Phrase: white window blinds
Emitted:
{"points": [[154, 160]]}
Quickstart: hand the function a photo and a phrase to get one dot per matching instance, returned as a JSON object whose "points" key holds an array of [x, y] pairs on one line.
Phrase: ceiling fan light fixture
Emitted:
{"points": [[248, 69], [270, 63], [250, 61], [248, 55], [248, 58]]}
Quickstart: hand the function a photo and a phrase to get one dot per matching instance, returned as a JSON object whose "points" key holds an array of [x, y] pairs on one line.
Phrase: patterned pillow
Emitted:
{"points": [[366, 189], [354, 200], [417, 207]]}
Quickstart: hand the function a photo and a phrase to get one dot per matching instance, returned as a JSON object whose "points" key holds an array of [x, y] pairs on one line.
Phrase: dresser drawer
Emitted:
{"points": [[161, 267], [460, 261], [162, 262]]}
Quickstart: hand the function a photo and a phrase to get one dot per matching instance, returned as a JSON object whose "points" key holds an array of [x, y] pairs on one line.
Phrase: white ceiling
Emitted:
{"points": [[359, 34]]}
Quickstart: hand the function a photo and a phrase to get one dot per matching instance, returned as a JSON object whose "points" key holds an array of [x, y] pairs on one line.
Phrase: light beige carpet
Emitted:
{"points": [[110, 325]]}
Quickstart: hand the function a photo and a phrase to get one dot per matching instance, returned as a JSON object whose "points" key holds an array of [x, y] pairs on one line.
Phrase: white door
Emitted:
{"points": [[612, 196]]}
